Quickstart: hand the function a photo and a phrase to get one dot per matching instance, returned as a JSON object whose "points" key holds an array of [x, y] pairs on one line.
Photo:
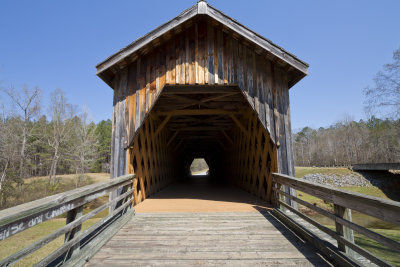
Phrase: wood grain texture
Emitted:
{"points": [[204, 59], [200, 55], [151, 160], [252, 156], [383, 209], [206, 238]]}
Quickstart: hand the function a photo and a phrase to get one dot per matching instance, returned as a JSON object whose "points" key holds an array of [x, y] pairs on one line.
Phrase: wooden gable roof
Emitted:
{"points": [[106, 70]]}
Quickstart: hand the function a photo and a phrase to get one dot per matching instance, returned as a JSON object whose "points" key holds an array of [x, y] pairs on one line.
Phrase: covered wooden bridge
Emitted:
{"points": [[202, 86]]}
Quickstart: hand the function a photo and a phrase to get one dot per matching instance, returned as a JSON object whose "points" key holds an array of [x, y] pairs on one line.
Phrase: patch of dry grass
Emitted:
{"points": [[38, 187]]}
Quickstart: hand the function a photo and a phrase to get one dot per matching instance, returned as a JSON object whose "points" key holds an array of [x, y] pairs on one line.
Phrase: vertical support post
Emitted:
{"points": [[341, 230], [276, 195], [72, 215]]}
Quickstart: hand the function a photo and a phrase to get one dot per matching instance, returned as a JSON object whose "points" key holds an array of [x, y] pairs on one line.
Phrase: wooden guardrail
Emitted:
{"points": [[344, 202], [79, 245]]}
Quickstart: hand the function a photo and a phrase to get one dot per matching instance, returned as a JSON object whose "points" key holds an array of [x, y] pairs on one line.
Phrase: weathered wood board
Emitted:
{"points": [[202, 54], [206, 239]]}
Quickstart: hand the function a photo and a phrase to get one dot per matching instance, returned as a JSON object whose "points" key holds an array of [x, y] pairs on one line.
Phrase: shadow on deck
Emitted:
{"points": [[200, 223]]}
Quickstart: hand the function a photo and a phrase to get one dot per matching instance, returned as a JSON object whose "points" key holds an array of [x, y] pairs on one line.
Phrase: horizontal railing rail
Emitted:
{"points": [[343, 202], [20, 218]]}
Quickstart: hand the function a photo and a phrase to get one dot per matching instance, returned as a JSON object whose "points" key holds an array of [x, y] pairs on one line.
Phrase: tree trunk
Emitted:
{"points": [[22, 154], [3, 175], [53, 168], [82, 168]]}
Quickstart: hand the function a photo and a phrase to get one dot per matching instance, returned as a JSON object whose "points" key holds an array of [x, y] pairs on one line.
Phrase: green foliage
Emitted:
{"points": [[103, 134]]}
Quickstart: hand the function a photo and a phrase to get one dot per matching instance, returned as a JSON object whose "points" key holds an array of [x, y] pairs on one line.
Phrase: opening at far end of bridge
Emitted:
{"points": [[199, 167]]}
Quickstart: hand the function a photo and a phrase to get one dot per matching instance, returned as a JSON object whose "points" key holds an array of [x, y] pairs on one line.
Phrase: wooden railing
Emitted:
{"points": [[78, 245], [344, 202]]}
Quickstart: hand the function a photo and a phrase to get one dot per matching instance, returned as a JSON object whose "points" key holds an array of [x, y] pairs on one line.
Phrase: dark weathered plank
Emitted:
{"points": [[211, 59]]}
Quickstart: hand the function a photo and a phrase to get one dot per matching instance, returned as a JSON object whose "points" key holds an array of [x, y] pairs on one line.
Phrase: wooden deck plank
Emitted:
{"points": [[226, 226], [235, 238], [205, 262]]}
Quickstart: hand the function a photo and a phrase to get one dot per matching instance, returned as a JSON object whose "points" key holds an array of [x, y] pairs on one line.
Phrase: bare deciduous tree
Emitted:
{"points": [[385, 94], [28, 104], [61, 113], [84, 144], [8, 153]]}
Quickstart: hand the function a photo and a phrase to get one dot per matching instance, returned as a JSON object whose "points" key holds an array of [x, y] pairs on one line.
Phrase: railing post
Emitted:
{"points": [[276, 195], [72, 215], [341, 230]]}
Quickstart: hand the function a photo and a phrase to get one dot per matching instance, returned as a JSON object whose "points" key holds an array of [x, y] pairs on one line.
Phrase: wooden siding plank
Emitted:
{"points": [[162, 69], [178, 59], [182, 57], [187, 57], [142, 92], [196, 52], [235, 61], [137, 112], [210, 60], [226, 56], [132, 100], [147, 82], [240, 73], [269, 107], [259, 90], [192, 56], [202, 31], [216, 56], [249, 75], [221, 60]]}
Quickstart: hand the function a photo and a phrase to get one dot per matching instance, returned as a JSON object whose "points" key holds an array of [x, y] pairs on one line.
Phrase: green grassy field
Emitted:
{"points": [[367, 243]]}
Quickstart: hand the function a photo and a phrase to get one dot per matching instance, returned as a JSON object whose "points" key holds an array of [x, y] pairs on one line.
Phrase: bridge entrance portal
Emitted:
{"points": [[202, 85], [211, 122]]}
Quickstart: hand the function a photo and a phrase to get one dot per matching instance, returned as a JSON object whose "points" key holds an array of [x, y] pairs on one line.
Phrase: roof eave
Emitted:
{"points": [[146, 39]]}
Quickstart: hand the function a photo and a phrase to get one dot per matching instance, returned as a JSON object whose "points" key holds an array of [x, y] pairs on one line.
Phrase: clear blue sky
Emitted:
{"points": [[56, 44]]}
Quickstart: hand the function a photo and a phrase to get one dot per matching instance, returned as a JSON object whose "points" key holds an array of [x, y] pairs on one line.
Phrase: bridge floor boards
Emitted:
{"points": [[200, 223], [200, 195], [207, 239]]}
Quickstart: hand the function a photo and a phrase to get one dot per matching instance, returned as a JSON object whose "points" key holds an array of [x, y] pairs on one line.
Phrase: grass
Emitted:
{"points": [[366, 243], [377, 249], [23, 239], [30, 191], [67, 178], [38, 187], [367, 190]]}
